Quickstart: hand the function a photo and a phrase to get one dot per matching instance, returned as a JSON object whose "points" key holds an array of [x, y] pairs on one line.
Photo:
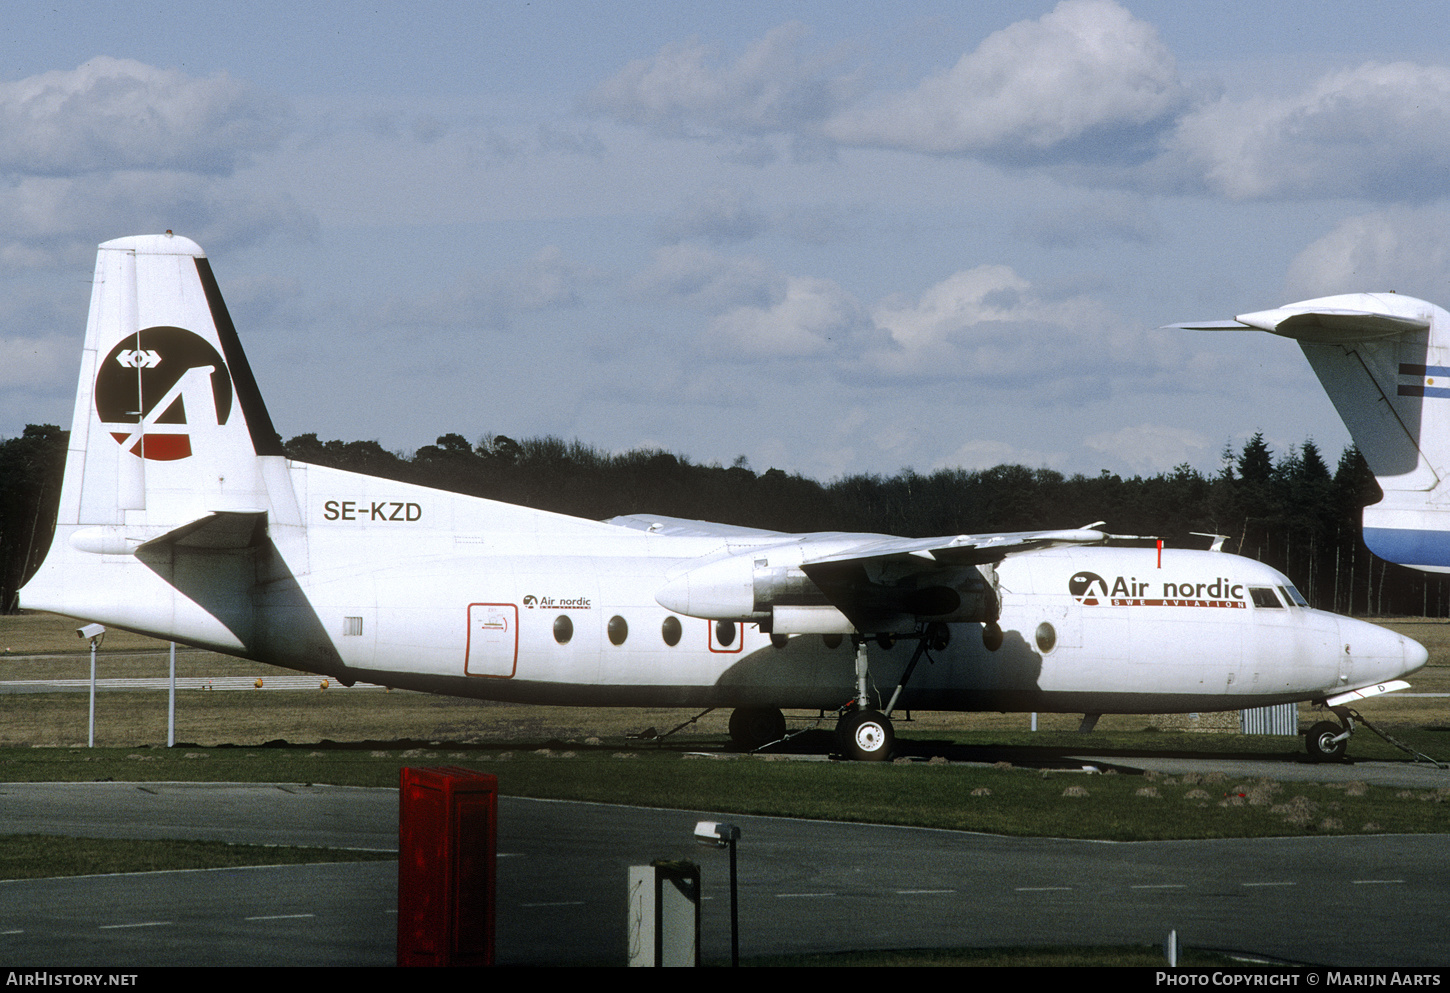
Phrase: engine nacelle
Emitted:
{"points": [[757, 586]]}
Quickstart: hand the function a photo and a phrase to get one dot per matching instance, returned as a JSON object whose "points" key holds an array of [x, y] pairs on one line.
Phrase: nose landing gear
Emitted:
{"points": [[1327, 741]]}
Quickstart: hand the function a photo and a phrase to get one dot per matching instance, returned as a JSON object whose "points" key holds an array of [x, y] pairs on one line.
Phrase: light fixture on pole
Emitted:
{"points": [[720, 835], [94, 633]]}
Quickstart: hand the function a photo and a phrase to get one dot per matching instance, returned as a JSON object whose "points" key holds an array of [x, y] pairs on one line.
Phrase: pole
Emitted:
{"points": [[91, 730], [734, 913], [171, 703]]}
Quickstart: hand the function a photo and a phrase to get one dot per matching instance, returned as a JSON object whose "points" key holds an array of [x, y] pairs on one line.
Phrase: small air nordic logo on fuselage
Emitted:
{"points": [[154, 385], [1087, 588]]}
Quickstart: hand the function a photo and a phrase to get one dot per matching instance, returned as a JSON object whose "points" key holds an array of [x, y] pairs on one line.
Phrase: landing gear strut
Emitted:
{"points": [[1327, 741], [864, 734]]}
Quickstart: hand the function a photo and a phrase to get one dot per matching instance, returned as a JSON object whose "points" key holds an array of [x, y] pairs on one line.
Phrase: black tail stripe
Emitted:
{"points": [[265, 439]]}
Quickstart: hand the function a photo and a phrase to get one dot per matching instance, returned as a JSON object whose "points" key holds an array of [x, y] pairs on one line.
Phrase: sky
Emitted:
{"points": [[832, 238]]}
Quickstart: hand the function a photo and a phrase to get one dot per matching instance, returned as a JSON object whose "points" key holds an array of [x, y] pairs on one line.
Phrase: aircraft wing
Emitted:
{"points": [[876, 582], [680, 527], [958, 550]]}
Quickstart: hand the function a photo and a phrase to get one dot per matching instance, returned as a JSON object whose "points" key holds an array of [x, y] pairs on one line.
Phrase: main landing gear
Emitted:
{"points": [[864, 734]]}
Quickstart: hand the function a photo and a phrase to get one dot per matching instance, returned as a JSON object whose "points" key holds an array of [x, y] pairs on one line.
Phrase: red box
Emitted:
{"points": [[447, 866]]}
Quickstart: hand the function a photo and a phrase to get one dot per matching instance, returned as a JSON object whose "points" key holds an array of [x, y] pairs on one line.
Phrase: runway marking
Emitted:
{"points": [[1041, 889], [113, 927], [278, 917], [1376, 882], [921, 892], [558, 903], [790, 896], [1159, 886], [1269, 884]]}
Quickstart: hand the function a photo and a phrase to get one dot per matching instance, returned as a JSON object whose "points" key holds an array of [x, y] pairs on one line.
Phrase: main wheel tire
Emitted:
{"points": [[865, 736], [752, 727], [1321, 744]]}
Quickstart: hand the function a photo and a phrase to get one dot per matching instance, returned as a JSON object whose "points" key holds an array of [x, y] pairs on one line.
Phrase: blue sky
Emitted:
{"points": [[830, 237]]}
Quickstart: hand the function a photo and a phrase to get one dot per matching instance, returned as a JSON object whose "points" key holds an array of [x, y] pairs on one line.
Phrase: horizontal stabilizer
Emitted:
{"points": [[225, 530], [1337, 320]]}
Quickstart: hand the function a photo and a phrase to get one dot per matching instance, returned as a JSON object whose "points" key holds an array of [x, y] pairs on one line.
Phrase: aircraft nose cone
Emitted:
{"points": [[1416, 655], [1380, 654]]}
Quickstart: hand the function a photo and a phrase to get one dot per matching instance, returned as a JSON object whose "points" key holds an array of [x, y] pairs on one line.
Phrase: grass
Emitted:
{"points": [[29, 856], [1007, 801]]}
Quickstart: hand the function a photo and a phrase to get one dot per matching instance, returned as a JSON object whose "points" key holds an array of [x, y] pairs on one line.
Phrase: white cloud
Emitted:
{"points": [[704, 278], [719, 215], [813, 317], [1103, 217], [45, 219], [1087, 71], [685, 88], [1150, 448], [112, 114], [1378, 131], [549, 280], [1404, 250], [37, 362], [989, 324]]}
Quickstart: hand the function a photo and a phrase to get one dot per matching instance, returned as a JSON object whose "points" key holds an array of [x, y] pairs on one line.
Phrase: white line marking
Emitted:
{"points": [[788, 896], [1376, 882], [921, 892], [278, 917], [113, 927], [1159, 886], [1041, 889], [1268, 884]]}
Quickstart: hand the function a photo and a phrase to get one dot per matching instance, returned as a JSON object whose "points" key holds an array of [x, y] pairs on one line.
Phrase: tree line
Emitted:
{"points": [[1291, 511]]}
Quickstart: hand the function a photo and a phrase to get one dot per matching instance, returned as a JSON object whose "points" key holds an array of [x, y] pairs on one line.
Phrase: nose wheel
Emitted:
{"points": [[1327, 742]]}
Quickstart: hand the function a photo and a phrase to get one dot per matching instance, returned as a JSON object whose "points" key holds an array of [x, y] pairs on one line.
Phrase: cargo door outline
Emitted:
{"points": [[493, 640]]}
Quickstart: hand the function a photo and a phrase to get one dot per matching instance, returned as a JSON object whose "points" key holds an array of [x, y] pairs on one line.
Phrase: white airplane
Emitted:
{"points": [[1384, 359], [181, 518]]}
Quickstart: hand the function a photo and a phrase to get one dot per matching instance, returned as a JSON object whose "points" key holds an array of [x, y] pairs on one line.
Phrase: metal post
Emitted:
{"points": [[734, 909], [91, 731], [171, 703]]}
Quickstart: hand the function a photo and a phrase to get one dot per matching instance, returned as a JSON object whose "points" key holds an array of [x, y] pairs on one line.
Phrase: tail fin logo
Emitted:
{"points": [[149, 384]]}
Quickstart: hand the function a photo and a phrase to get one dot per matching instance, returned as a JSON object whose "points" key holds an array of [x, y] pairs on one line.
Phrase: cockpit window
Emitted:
{"points": [[1264, 597], [1293, 596]]}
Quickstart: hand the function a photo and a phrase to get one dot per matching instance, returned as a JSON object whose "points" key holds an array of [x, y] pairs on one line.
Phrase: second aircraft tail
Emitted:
{"points": [[1384, 360]]}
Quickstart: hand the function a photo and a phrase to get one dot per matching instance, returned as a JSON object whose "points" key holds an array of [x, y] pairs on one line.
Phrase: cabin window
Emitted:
{"points": [[670, 630], [563, 629], [1046, 637], [780, 640], [831, 640], [1263, 596], [1293, 596], [725, 632], [618, 630], [352, 626]]}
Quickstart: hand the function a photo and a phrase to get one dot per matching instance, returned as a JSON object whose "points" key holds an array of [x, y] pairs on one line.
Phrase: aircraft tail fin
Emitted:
{"points": [[172, 461], [1384, 360], [168, 421]]}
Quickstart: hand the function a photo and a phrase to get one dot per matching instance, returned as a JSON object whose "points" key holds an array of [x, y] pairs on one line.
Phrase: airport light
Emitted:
{"points": [[94, 633], [720, 835]]}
